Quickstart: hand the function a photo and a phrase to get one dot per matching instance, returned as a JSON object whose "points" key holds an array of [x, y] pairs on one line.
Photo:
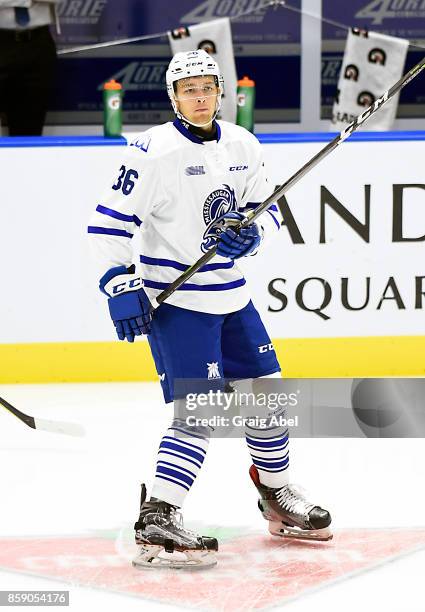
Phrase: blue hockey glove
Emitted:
{"points": [[129, 306], [233, 245]]}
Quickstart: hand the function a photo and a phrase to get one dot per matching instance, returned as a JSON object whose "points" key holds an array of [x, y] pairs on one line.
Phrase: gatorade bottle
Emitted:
{"points": [[246, 103], [112, 109]]}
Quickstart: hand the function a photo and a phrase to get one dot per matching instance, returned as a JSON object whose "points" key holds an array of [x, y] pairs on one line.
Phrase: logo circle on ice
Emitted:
{"points": [[217, 204]]}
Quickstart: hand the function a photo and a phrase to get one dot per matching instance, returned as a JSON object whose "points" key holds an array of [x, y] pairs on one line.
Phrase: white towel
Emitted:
{"points": [[216, 38], [372, 64]]}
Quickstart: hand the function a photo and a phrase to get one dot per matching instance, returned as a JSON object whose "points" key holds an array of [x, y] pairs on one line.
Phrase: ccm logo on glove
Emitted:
{"points": [[129, 306], [129, 285]]}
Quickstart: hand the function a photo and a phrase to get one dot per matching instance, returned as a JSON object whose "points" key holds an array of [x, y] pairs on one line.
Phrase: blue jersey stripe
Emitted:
{"points": [[252, 205], [249, 206], [274, 219], [170, 263], [92, 229], [117, 215], [192, 287]]}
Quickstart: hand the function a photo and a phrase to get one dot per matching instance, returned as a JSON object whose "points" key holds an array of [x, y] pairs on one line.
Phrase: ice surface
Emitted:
{"points": [[68, 506]]}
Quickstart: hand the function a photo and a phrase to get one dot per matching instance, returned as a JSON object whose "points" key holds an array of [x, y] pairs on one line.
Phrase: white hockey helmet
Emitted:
{"points": [[190, 64]]}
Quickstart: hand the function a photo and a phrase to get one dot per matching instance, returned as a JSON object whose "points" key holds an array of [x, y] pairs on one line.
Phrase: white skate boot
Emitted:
{"points": [[289, 513]]}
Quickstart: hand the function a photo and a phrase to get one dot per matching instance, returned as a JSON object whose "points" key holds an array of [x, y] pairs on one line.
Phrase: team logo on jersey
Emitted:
{"points": [[194, 170], [213, 371], [217, 204]]}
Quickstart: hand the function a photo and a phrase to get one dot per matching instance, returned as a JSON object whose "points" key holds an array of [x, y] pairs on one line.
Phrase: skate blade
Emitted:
{"points": [[277, 528], [155, 557]]}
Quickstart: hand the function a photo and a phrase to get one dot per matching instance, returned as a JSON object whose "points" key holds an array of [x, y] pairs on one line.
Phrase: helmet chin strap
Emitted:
{"points": [[185, 119]]}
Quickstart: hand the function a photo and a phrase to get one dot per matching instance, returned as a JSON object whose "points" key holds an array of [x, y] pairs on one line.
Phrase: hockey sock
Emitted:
{"points": [[269, 447], [180, 457], [270, 455]]}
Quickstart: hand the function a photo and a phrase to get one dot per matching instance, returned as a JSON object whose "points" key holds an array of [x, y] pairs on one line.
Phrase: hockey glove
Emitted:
{"points": [[128, 303], [233, 245]]}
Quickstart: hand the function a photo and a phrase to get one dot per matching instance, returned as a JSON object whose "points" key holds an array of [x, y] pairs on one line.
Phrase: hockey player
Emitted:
{"points": [[182, 185]]}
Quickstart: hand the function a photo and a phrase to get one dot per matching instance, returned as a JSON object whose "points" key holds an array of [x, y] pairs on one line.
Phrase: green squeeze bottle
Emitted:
{"points": [[246, 103], [112, 109]]}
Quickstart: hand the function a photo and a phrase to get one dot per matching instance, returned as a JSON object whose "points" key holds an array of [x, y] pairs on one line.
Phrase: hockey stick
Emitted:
{"points": [[254, 214], [69, 429]]}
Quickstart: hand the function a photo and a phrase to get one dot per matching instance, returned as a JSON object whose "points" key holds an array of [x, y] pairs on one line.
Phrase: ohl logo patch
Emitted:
{"points": [[218, 203]]}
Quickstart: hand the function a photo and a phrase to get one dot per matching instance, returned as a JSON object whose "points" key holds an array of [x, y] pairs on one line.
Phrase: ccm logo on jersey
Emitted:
{"points": [[237, 168], [265, 347]]}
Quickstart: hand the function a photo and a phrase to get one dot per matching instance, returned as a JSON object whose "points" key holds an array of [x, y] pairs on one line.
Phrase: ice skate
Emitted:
{"points": [[289, 513], [164, 543]]}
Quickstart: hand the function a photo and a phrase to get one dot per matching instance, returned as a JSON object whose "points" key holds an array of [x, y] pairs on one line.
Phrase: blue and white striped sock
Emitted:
{"points": [[270, 454], [180, 457]]}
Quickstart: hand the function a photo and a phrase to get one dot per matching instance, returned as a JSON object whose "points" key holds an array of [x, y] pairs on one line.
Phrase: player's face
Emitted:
{"points": [[196, 98]]}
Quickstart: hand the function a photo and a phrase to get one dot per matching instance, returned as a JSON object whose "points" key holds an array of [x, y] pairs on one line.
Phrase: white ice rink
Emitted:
{"points": [[68, 506]]}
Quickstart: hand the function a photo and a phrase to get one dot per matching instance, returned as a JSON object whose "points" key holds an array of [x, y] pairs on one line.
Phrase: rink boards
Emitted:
{"points": [[341, 289]]}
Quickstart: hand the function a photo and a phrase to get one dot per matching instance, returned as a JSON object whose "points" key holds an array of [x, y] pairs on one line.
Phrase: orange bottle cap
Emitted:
{"points": [[246, 82], [112, 85]]}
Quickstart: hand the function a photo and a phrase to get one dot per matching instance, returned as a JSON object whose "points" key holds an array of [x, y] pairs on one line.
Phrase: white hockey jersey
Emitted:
{"points": [[172, 186]]}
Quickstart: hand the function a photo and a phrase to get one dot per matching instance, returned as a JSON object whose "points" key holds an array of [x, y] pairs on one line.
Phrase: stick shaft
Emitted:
{"points": [[254, 214], [28, 420]]}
